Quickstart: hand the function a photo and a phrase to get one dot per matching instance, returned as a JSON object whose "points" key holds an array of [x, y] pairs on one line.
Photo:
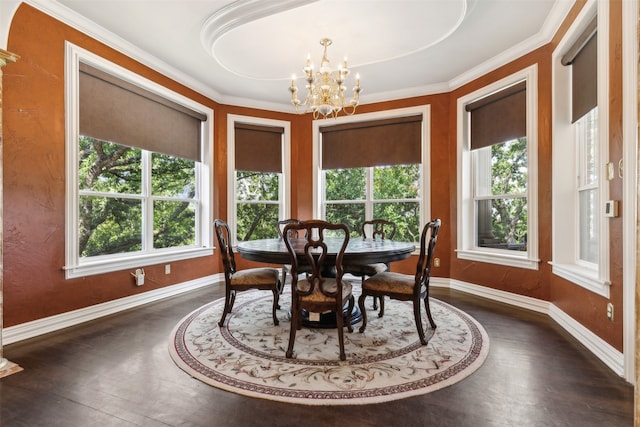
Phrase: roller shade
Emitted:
{"points": [[115, 110], [499, 117], [395, 141], [258, 148], [582, 56]]}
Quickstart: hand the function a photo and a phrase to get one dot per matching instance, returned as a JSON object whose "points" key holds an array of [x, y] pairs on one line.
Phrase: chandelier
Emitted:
{"points": [[325, 88]]}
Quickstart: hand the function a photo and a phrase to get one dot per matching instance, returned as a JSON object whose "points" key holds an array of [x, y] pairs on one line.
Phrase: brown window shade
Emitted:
{"points": [[583, 58], [499, 117], [114, 110], [395, 141], [258, 148]]}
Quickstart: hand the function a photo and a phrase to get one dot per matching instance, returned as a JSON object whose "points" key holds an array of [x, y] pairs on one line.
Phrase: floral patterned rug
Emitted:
{"points": [[386, 362]]}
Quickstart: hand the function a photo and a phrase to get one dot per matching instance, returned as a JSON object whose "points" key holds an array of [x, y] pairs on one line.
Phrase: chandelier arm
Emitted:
{"points": [[325, 88]]}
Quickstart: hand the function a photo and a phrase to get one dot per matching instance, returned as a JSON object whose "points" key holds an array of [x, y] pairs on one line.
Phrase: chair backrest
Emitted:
{"points": [[283, 223], [312, 249], [427, 247], [381, 229], [226, 250]]}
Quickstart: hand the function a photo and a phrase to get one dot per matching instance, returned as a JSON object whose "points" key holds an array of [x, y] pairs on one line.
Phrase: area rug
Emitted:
{"points": [[386, 362]]}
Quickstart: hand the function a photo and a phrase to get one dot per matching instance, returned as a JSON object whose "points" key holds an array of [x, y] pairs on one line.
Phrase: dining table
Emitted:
{"points": [[358, 251]]}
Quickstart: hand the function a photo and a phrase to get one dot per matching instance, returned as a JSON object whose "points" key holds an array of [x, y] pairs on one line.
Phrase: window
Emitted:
{"points": [[497, 170], [138, 170], [587, 186], [580, 152], [374, 166], [258, 184]]}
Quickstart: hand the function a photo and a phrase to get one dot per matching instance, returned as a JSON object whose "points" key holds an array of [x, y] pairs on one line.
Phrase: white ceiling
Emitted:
{"points": [[245, 52]]}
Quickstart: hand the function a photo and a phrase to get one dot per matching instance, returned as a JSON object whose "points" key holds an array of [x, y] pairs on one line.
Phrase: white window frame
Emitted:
{"points": [[565, 244], [75, 265], [284, 187], [424, 197], [466, 242]]}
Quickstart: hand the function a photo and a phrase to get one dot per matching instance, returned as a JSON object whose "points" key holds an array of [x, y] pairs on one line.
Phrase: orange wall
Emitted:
{"points": [[34, 164], [582, 305], [34, 179]]}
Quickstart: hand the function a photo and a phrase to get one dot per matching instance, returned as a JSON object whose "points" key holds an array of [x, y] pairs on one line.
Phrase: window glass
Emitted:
{"points": [[174, 224], [172, 176], [587, 188], [108, 167], [385, 192], [112, 199], [109, 225], [257, 204], [501, 176]]}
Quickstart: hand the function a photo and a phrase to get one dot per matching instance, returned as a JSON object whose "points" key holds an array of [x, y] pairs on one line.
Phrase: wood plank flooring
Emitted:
{"points": [[117, 371]]}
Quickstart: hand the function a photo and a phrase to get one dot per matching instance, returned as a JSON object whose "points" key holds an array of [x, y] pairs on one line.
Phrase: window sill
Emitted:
{"points": [[519, 261], [132, 261], [587, 278]]}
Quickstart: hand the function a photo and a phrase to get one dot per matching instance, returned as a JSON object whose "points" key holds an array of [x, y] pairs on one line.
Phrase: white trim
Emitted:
{"points": [[564, 204], [91, 29], [76, 267], [604, 351], [596, 345], [425, 191], [45, 325], [466, 248], [629, 183], [583, 276], [498, 257], [285, 193], [8, 9], [528, 303]]}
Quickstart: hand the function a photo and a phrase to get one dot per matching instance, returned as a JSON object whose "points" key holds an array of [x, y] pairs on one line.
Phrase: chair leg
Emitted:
{"points": [[352, 301], [229, 298], [340, 324], [276, 298], [375, 299], [279, 289], [427, 306], [418, 318], [381, 312], [363, 311], [295, 315]]}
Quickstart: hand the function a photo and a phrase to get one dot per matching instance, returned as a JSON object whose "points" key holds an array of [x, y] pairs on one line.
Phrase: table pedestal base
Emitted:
{"points": [[328, 320]]}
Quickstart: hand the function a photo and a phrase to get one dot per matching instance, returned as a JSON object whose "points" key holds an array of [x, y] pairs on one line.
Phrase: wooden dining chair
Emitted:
{"points": [[405, 287], [380, 229], [286, 268], [263, 278], [316, 293]]}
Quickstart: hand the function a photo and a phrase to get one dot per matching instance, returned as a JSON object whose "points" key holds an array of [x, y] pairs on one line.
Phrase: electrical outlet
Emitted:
{"points": [[167, 269], [610, 311], [436, 262], [139, 277]]}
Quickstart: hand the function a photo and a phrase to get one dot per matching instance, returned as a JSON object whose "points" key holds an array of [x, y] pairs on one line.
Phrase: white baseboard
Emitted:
{"points": [[611, 357], [596, 345], [45, 325], [603, 350]]}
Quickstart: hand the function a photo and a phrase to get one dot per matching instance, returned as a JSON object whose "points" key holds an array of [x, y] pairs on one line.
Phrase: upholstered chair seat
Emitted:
{"points": [[255, 276], [330, 287], [377, 229], [306, 243], [404, 287], [387, 282], [263, 278]]}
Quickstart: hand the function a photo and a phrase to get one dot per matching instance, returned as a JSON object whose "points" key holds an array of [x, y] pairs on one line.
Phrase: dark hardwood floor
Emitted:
{"points": [[116, 371]]}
